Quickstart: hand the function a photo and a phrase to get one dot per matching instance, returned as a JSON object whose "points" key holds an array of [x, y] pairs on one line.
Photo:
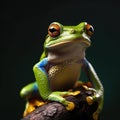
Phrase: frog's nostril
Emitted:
{"points": [[72, 31]]}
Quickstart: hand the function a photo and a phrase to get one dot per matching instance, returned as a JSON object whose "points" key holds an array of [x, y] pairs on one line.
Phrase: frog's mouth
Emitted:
{"points": [[64, 44], [84, 41]]}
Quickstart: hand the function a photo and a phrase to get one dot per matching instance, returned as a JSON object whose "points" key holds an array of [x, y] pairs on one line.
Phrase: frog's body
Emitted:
{"points": [[70, 64], [60, 65]]}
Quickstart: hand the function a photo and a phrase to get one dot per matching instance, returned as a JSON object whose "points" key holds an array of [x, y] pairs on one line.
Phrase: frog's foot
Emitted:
{"points": [[59, 97], [31, 105], [90, 100], [97, 96]]}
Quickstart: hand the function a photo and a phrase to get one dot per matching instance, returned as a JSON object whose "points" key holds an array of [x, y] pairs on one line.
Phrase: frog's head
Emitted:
{"points": [[68, 41], [59, 35]]}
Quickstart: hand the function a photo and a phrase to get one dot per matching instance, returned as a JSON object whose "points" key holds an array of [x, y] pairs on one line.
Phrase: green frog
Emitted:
{"points": [[60, 65]]}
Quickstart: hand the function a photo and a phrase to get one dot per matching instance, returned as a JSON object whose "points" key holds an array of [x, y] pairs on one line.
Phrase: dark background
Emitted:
{"points": [[24, 27]]}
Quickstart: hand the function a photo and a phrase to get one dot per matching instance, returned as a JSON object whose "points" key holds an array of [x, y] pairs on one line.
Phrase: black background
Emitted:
{"points": [[24, 27]]}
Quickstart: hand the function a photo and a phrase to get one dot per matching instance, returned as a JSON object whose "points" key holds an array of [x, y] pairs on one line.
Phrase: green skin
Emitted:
{"points": [[60, 65]]}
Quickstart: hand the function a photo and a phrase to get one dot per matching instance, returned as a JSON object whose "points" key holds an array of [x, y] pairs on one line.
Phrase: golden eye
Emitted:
{"points": [[89, 29], [54, 30]]}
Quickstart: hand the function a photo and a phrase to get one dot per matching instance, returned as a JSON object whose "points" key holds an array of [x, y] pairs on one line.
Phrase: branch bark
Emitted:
{"points": [[56, 111]]}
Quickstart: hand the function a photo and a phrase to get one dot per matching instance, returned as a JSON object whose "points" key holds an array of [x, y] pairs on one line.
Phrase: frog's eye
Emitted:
{"points": [[54, 30], [89, 29]]}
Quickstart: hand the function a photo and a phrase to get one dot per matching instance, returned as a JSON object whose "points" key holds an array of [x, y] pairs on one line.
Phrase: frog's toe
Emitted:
{"points": [[29, 108], [70, 106], [89, 100], [87, 88], [74, 93]]}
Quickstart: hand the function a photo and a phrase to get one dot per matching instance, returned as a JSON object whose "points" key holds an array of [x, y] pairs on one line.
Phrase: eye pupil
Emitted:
{"points": [[91, 29], [52, 30]]}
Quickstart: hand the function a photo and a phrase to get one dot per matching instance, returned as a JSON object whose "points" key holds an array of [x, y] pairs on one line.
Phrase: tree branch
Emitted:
{"points": [[56, 111]]}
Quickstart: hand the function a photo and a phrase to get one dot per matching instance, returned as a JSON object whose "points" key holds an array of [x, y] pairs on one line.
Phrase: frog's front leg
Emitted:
{"points": [[42, 79], [59, 97], [98, 88]]}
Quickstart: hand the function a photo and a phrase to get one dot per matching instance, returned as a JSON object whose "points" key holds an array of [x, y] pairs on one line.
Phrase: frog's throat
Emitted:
{"points": [[71, 51]]}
